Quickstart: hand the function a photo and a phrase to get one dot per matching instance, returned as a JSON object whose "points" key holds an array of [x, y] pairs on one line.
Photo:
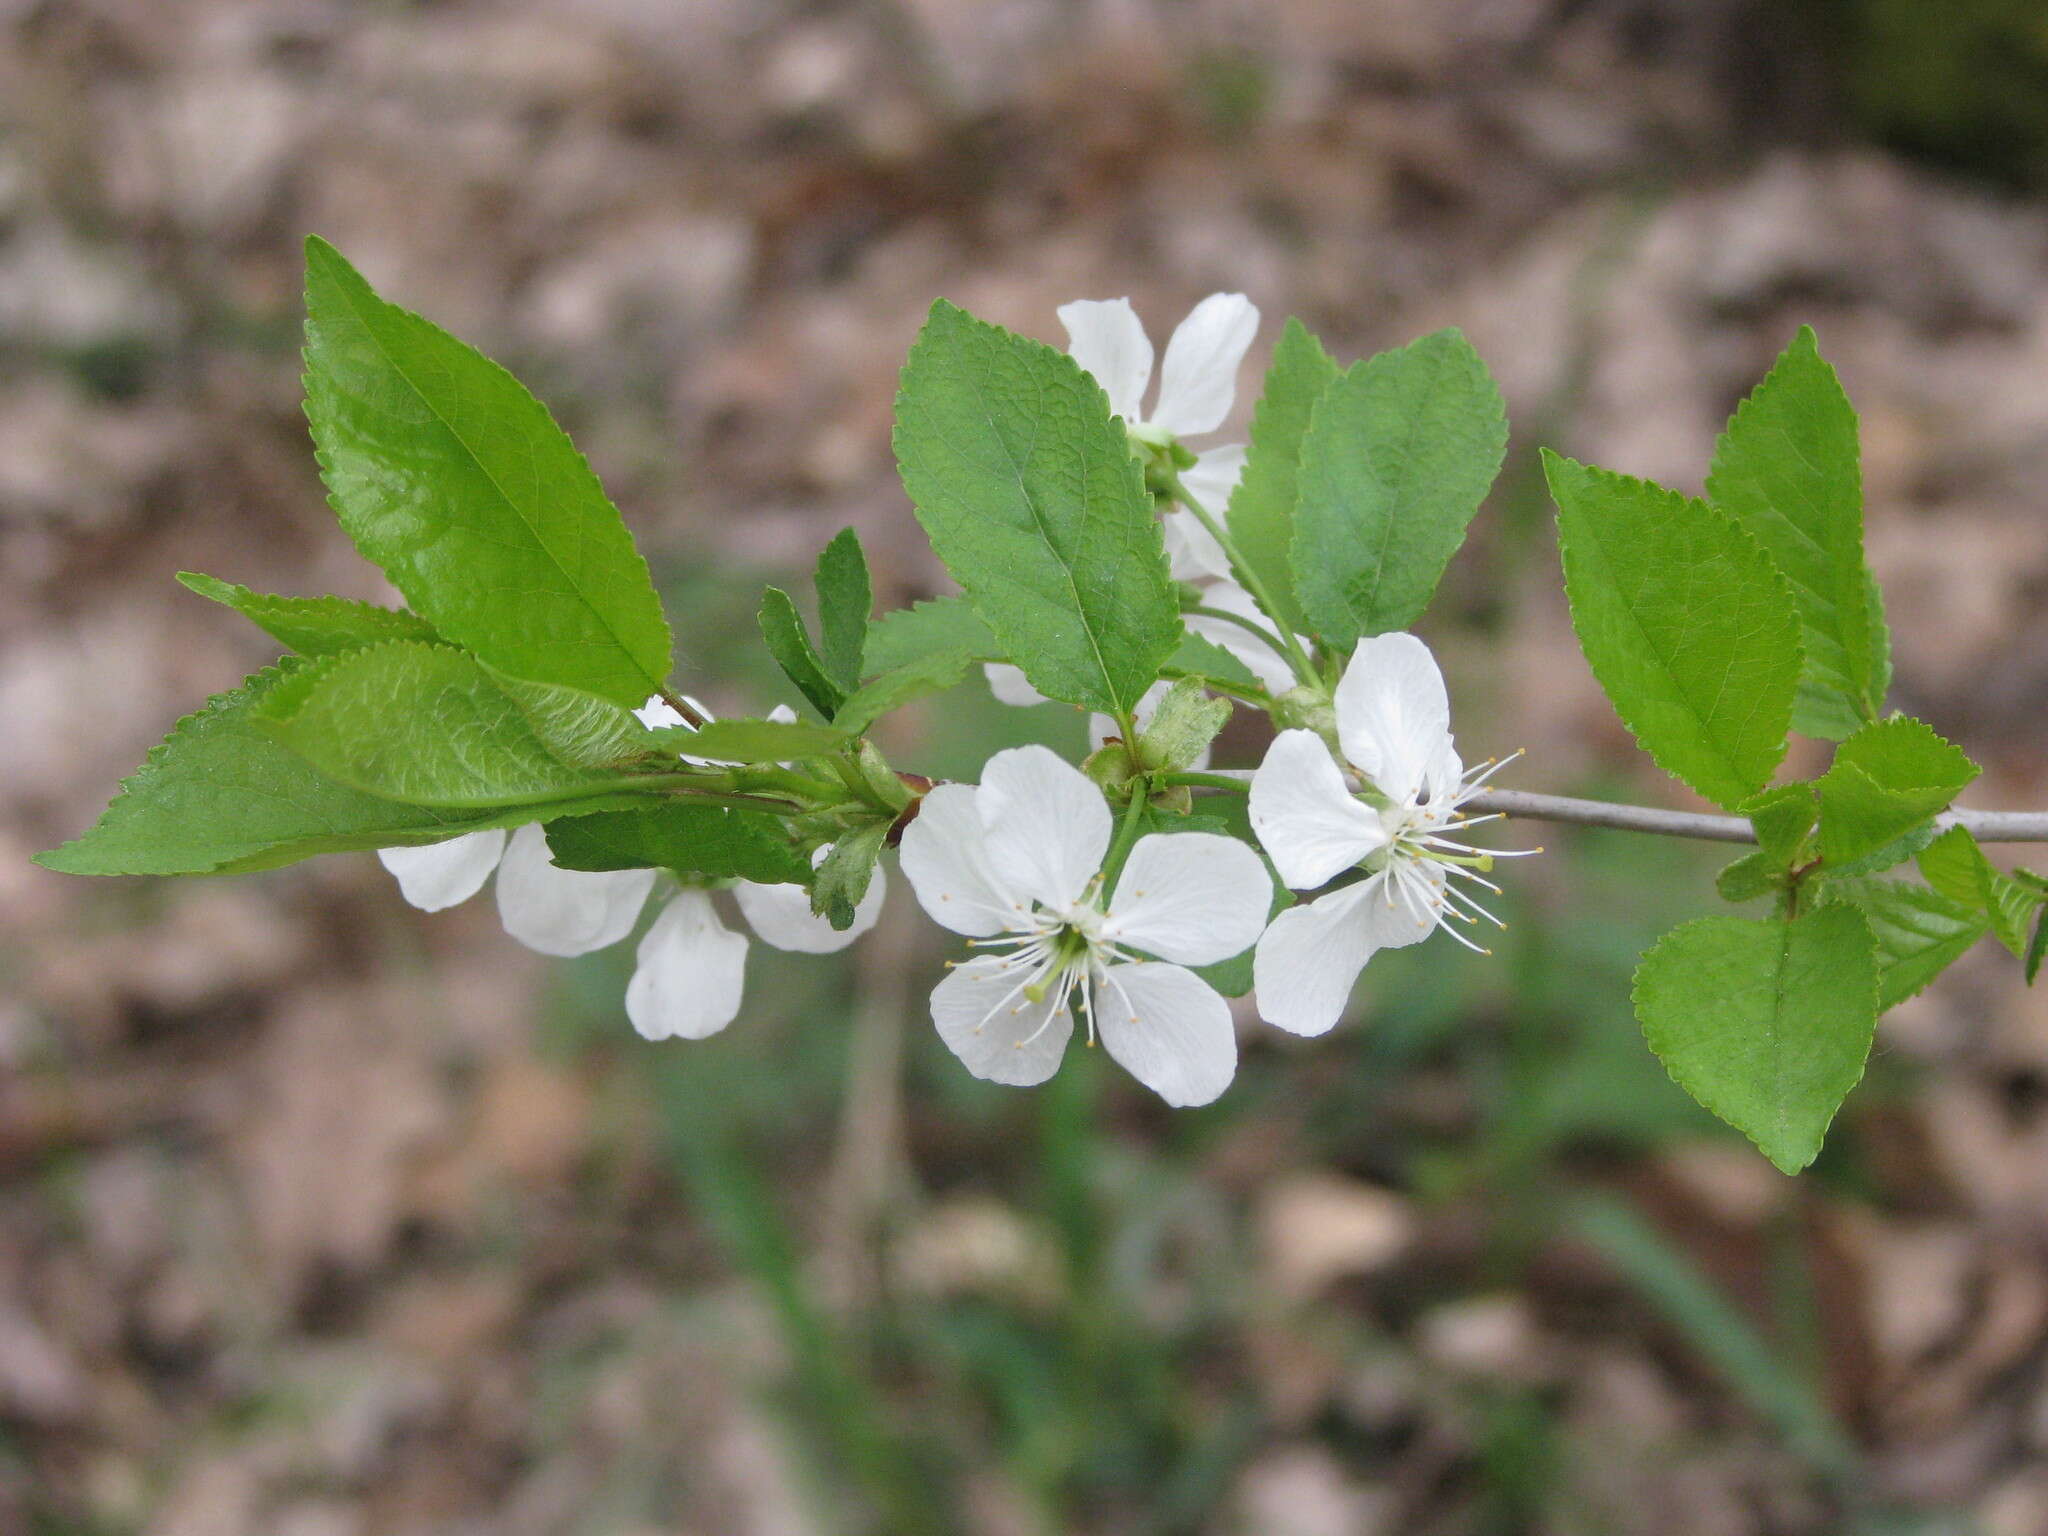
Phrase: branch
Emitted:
{"points": [[1985, 826]]}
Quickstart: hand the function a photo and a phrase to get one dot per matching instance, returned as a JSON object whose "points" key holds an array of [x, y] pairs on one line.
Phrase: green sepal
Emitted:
{"points": [[843, 875], [312, 626]]}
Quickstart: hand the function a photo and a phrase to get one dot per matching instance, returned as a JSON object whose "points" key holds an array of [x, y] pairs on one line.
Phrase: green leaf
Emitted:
{"points": [[708, 841], [312, 626], [929, 674], [2037, 946], [1765, 1023], [1919, 932], [1753, 875], [1955, 866], [1031, 496], [1788, 469], [941, 626], [755, 741], [782, 627], [844, 873], [1261, 514], [844, 597], [1783, 818], [452, 477], [430, 725], [1200, 656], [1886, 779], [1399, 453], [1686, 623], [221, 793]]}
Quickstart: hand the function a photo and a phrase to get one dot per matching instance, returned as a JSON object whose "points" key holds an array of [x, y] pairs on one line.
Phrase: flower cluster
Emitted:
{"points": [[1081, 901]]}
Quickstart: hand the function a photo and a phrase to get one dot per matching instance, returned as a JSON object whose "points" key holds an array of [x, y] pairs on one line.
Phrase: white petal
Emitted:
{"points": [[1198, 380], [782, 714], [1267, 664], [565, 911], [1213, 477], [658, 712], [1310, 956], [1192, 553], [692, 970], [442, 874], [1107, 339], [1191, 897], [1393, 717], [1304, 816], [1169, 1029], [945, 858], [1308, 961], [995, 1030], [1009, 685], [1047, 825], [781, 915]]}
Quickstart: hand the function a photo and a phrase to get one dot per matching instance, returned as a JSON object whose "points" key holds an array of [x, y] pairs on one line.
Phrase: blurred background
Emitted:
{"points": [[322, 1217]]}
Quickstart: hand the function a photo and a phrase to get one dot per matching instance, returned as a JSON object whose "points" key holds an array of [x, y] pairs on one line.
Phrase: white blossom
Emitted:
{"points": [[1393, 723], [1016, 865], [1197, 386]]}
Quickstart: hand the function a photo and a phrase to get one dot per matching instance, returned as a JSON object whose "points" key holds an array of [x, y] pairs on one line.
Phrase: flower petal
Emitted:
{"points": [[442, 874], [1047, 825], [1010, 686], [1192, 553], [1107, 339], [658, 712], [996, 1031], [1304, 816], [1310, 956], [945, 857], [1267, 664], [565, 911], [1198, 380], [692, 970], [781, 915], [782, 714], [1212, 480], [1168, 1028], [1308, 961], [1393, 716], [1190, 897]]}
